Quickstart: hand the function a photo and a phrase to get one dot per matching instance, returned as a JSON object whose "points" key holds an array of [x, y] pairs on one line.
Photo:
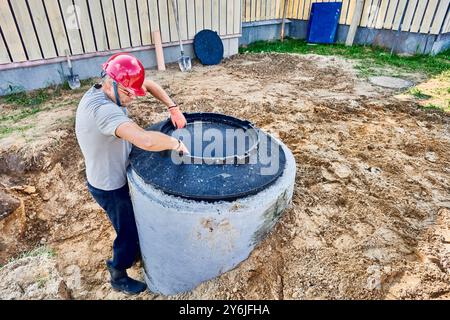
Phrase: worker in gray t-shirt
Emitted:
{"points": [[105, 134]]}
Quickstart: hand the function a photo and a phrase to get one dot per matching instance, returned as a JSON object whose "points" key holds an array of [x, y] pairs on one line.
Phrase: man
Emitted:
{"points": [[105, 134]]}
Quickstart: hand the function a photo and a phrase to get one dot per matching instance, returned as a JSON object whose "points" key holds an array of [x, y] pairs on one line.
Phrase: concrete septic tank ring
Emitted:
{"points": [[391, 82], [185, 241]]}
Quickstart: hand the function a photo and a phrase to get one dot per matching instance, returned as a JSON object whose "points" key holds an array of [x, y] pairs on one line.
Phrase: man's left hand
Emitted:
{"points": [[177, 117]]}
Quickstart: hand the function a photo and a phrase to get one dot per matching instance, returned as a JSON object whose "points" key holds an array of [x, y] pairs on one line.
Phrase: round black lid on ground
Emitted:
{"points": [[208, 47], [228, 159]]}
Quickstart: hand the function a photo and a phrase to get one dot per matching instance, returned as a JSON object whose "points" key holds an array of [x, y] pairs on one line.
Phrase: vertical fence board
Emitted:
{"points": [[57, 26], [440, 16], [191, 18], [122, 23], [207, 14], [42, 28], [262, 7], [282, 4], [296, 8], [344, 9], [216, 18], [257, 10], [98, 25], [237, 16], [446, 25], [398, 15], [350, 12], [183, 21], [229, 16], [382, 14], [390, 14], [164, 21], [133, 23], [301, 9], [4, 56], [365, 13], [270, 9], [85, 26], [373, 13], [266, 9], [307, 9], [173, 28], [144, 21], [428, 16], [277, 9], [409, 15], [110, 24], [290, 13], [199, 15], [247, 12], [26, 29], [223, 17], [72, 26], [415, 26], [153, 15]]}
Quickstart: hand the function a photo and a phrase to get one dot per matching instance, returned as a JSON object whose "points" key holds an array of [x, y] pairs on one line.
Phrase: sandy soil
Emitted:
{"points": [[370, 217]]}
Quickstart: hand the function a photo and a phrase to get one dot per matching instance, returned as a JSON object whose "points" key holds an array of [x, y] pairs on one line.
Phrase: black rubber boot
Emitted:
{"points": [[122, 282]]}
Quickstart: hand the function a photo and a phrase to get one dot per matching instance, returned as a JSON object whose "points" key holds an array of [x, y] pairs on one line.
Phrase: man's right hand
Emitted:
{"points": [[180, 147]]}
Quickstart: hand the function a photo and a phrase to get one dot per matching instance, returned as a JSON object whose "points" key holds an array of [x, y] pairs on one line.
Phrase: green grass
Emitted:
{"points": [[24, 113], [17, 95], [22, 98], [4, 130], [30, 103], [370, 56], [37, 252], [431, 106], [41, 282], [418, 94]]}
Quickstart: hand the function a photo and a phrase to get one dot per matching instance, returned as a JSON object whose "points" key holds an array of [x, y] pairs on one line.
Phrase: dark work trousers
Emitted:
{"points": [[117, 204]]}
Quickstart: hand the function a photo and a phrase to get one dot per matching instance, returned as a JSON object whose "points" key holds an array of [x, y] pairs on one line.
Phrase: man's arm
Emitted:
{"points": [[158, 92], [148, 140], [178, 119]]}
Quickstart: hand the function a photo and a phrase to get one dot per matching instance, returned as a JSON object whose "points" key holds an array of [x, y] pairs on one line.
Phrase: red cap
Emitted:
{"points": [[126, 70]]}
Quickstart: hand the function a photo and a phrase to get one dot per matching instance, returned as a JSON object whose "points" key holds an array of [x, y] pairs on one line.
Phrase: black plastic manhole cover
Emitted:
{"points": [[229, 159]]}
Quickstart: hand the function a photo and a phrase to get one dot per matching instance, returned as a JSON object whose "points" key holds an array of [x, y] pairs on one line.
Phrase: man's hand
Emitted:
{"points": [[181, 148], [178, 119]]}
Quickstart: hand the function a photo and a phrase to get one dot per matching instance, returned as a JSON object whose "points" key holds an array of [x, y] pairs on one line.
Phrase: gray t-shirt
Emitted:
{"points": [[105, 155]]}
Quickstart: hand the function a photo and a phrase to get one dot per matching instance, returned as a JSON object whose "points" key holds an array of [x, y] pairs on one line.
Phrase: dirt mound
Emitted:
{"points": [[370, 210], [35, 278], [305, 72]]}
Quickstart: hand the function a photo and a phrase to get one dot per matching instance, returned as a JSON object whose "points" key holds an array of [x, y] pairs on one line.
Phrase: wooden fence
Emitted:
{"points": [[43, 29], [422, 16]]}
